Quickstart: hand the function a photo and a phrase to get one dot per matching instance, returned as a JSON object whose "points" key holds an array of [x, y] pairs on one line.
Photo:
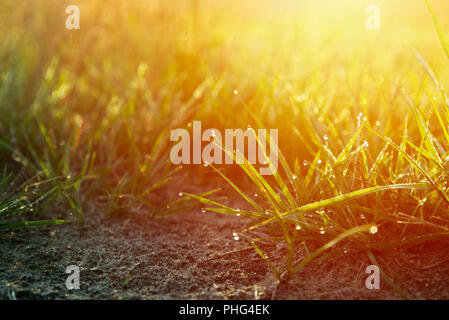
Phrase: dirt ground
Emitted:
{"points": [[192, 256]]}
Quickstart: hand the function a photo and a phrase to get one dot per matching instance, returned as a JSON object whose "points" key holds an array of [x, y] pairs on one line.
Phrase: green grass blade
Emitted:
{"points": [[439, 29], [13, 225]]}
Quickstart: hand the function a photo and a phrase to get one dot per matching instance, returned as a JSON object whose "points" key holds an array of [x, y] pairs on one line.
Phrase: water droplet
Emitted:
{"points": [[235, 236], [236, 92], [304, 163], [203, 210], [319, 161], [325, 138], [362, 216], [298, 227], [373, 230], [256, 195], [322, 231], [180, 194], [205, 164], [422, 202], [294, 177]]}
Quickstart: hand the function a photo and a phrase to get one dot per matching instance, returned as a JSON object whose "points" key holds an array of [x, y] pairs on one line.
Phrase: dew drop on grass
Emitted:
{"points": [[238, 212], [235, 236], [373, 230], [180, 194], [319, 161], [203, 210], [298, 227], [236, 92], [304, 163], [256, 195], [325, 138], [294, 177], [322, 231]]}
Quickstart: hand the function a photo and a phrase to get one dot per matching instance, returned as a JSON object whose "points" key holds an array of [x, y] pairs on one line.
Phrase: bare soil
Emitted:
{"points": [[193, 256]]}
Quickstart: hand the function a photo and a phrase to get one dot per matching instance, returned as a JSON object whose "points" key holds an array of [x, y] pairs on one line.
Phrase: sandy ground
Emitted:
{"points": [[192, 256]]}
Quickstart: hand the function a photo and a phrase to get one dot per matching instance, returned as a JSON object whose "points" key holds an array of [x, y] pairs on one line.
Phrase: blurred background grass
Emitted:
{"points": [[289, 60]]}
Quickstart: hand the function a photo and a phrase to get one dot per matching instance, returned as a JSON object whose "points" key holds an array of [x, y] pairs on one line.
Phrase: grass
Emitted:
{"points": [[24, 199], [362, 116], [59, 120], [357, 196]]}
